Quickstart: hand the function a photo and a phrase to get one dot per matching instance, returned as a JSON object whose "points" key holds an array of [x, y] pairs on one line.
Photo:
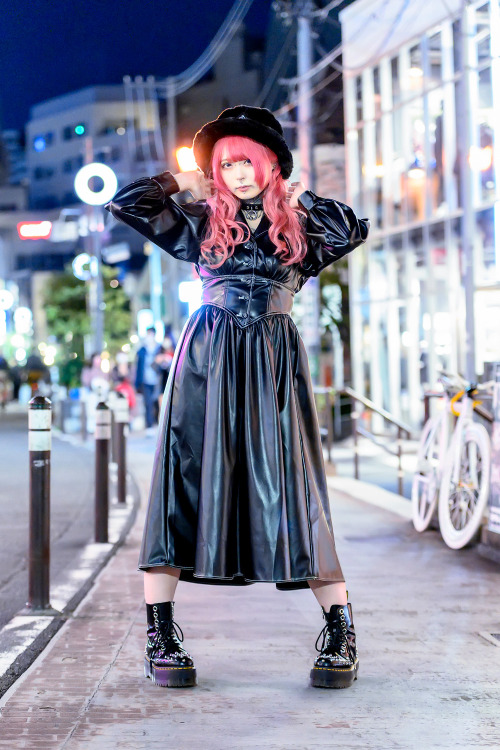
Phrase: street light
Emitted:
{"points": [[89, 195], [95, 199], [185, 159]]}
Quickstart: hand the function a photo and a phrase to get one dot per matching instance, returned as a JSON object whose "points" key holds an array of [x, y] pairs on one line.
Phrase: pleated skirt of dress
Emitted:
{"points": [[238, 491]]}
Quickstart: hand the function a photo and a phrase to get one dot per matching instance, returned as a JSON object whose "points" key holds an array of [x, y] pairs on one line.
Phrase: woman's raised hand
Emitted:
{"points": [[293, 193], [195, 181]]}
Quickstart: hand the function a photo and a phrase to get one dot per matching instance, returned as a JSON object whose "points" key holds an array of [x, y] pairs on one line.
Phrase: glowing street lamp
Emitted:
{"points": [[185, 159], [481, 158], [95, 197]]}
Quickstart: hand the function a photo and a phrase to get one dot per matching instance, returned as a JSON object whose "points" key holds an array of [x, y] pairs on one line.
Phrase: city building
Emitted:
{"points": [[13, 147], [68, 131], [421, 164], [108, 124]]}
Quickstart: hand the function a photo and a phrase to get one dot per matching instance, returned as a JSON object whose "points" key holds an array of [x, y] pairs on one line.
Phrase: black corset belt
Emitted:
{"points": [[247, 298]]}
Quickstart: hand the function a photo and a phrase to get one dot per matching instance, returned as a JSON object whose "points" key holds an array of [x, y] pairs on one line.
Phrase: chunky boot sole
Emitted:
{"points": [[333, 678], [170, 676]]}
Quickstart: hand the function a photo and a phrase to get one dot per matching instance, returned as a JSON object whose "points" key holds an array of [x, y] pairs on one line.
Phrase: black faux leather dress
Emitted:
{"points": [[238, 492]]}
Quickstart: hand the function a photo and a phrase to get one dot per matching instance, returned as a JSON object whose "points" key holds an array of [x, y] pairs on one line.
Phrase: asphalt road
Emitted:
{"points": [[72, 512]]}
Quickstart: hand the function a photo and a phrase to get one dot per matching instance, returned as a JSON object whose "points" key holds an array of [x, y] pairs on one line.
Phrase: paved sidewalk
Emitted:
{"points": [[75, 559], [427, 679]]}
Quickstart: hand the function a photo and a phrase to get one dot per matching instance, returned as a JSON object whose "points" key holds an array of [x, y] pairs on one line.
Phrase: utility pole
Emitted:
{"points": [[171, 123], [310, 293], [305, 101], [468, 224], [96, 290]]}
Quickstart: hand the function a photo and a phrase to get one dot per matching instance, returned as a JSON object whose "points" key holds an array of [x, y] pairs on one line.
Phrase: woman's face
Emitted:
{"points": [[239, 177]]}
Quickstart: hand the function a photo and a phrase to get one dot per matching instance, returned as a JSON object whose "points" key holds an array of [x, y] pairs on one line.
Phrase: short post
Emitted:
{"points": [[400, 467], [83, 417], [39, 423], [58, 415], [64, 411], [329, 423], [111, 402], [102, 438], [354, 417], [120, 422]]}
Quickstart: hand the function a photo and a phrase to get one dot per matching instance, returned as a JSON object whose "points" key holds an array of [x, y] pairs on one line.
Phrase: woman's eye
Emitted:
{"points": [[247, 161], [226, 164]]}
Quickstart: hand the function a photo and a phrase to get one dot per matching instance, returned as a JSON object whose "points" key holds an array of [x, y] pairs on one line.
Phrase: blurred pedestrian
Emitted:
{"points": [[37, 374], [147, 377], [121, 368], [94, 378], [123, 385], [95, 387], [238, 492], [5, 379], [16, 375], [164, 360]]}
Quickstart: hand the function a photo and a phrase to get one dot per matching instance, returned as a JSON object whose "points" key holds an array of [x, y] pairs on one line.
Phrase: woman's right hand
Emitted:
{"points": [[195, 181]]}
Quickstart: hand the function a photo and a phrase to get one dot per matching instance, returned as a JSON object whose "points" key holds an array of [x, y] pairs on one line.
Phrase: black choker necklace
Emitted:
{"points": [[252, 208]]}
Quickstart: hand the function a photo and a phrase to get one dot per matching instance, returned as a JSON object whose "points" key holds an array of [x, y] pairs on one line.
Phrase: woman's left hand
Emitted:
{"points": [[293, 193]]}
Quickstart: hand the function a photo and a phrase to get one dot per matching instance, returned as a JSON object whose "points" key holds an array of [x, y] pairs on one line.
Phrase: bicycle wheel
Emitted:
{"points": [[464, 490], [425, 485]]}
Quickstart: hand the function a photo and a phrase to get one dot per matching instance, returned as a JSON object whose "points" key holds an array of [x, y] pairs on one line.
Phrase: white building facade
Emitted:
{"points": [[421, 137]]}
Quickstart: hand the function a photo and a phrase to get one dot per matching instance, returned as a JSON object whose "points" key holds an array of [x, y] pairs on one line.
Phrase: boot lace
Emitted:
{"points": [[164, 630], [334, 636]]}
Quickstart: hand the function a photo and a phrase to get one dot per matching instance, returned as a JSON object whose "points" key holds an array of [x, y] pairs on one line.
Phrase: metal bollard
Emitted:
{"points": [[102, 438], [120, 415], [354, 421], [83, 418], [39, 423], [111, 402]]}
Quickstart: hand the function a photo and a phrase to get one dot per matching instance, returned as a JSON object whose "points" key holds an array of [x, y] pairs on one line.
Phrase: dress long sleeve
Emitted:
{"points": [[332, 231], [146, 206]]}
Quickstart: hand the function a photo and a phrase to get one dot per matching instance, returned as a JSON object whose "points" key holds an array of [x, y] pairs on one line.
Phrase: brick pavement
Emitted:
{"points": [[427, 678]]}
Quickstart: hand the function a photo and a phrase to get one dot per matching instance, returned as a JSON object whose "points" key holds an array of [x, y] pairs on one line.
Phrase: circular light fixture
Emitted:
{"points": [[95, 197], [84, 266], [6, 299]]}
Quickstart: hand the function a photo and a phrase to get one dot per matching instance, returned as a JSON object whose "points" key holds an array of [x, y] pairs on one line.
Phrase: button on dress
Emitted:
{"points": [[238, 491]]}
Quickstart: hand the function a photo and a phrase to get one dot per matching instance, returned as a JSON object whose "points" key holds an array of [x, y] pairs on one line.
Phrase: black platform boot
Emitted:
{"points": [[337, 664], [165, 661]]}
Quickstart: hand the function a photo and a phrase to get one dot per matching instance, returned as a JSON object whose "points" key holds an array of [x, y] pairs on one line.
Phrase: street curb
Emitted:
{"points": [[26, 635], [370, 493]]}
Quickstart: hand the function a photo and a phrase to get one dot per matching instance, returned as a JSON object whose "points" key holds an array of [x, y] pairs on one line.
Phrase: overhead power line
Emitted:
{"points": [[288, 107], [261, 97], [197, 70], [323, 12]]}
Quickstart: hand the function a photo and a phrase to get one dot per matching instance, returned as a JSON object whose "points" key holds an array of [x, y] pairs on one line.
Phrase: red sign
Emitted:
{"points": [[34, 230]]}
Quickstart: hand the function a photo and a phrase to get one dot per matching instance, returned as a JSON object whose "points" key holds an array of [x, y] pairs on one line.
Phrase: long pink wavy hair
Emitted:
{"points": [[223, 232]]}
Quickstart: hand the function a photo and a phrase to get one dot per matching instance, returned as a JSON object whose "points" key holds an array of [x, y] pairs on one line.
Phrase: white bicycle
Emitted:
{"points": [[432, 450], [465, 480]]}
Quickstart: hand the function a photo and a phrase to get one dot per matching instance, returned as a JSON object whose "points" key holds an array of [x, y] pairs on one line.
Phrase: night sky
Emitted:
{"points": [[50, 48]]}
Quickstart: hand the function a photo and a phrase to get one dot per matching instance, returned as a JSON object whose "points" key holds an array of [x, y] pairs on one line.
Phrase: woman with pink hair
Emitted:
{"points": [[238, 493]]}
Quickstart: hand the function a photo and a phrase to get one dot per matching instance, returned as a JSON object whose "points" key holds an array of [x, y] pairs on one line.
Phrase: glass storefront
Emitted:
{"points": [[405, 131]]}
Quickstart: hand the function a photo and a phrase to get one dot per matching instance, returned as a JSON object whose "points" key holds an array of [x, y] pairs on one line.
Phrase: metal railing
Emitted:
{"points": [[357, 430], [324, 398]]}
